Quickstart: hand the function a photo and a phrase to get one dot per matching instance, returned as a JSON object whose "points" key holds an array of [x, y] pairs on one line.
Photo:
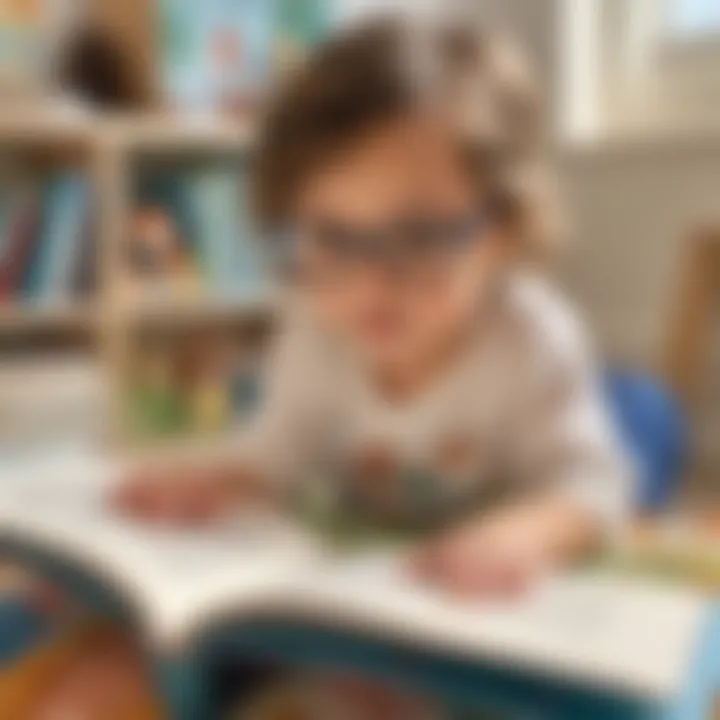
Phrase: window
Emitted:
{"points": [[693, 18], [687, 65], [640, 67]]}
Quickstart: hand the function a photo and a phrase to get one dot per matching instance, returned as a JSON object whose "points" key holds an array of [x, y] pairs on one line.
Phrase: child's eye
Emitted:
{"points": [[338, 239], [421, 234], [438, 234]]}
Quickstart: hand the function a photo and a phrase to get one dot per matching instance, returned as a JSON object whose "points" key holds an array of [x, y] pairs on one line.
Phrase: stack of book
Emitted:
{"points": [[46, 241]]}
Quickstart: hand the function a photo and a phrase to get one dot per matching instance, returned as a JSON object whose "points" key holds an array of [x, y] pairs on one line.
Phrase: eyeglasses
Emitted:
{"points": [[410, 247]]}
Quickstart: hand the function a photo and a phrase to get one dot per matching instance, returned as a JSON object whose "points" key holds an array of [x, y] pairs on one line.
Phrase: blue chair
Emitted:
{"points": [[654, 430]]}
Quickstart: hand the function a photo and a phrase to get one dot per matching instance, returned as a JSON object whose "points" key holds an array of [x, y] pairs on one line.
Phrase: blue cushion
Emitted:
{"points": [[655, 432]]}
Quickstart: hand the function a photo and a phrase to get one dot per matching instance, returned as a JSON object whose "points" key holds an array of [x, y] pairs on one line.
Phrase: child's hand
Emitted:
{"points": [[505, 553], [188, 496]]}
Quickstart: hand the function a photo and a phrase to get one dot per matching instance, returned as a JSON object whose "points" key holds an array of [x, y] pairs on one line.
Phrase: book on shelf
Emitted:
{"points": [[190, 235], [45, 238], [596, 629], [63, 224], [19, 238]]}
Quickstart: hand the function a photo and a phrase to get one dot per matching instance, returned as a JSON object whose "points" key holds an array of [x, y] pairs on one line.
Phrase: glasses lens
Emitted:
{"points": [[332, 248]]}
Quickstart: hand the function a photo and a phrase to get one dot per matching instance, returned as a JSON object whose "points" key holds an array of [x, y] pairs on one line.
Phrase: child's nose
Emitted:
{"points": [[377, 280]]}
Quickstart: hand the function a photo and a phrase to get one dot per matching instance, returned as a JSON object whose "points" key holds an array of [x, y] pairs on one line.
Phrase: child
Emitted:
{"points": [[425, 366]]}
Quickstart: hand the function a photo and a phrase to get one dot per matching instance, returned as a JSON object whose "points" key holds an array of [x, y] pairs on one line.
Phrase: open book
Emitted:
{"points": [[591, 628]]}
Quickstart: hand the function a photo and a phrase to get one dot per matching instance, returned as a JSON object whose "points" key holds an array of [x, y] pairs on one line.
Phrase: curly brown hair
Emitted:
{"points": [[389, 68]]}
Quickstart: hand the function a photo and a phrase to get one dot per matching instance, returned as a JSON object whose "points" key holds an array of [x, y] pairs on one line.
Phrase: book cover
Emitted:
{"points": [[214, 195], [229, 253]]}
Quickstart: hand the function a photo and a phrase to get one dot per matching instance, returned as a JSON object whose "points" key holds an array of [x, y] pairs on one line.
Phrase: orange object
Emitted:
{"points": [[91, 672]]}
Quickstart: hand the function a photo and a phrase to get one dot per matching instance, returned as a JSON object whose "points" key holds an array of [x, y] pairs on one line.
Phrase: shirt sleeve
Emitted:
{"points": [[563, 438]]}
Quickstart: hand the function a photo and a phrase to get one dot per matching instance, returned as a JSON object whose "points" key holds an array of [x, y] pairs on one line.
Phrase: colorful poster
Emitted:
{"points": [[222, 54]]}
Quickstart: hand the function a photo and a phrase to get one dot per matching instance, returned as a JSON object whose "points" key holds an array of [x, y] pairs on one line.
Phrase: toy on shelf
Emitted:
{"points": [[157, 260], [190, 234], [199, 384]]}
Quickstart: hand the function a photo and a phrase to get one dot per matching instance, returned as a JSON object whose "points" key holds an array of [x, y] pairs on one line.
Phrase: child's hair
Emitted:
{"points": [[388, 69]]}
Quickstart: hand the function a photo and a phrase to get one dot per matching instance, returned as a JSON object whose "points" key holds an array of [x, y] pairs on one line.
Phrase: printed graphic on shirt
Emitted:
{"points": [[382, 485]]}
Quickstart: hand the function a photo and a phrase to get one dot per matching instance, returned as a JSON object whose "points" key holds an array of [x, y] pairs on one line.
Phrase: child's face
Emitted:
{"points": [[394, 246]]}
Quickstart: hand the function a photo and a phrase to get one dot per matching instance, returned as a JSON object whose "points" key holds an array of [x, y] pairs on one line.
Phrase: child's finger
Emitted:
{"points": [[127, 494], [136, 493], [199, 505], [425, 563], [496, 576]]}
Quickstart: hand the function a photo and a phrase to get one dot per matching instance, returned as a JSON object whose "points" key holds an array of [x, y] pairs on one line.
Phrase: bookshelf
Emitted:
{"points": [[183, 312], [114, 150], [110, 149]]}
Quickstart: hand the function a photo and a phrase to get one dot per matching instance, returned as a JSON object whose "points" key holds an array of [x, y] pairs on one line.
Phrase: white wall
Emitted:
{"points": [[634, 209], [633, 204]]}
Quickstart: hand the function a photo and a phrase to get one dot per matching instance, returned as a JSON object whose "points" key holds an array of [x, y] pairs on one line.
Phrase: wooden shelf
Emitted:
{"points": [[31, 318], [181, 311], [131, 133], [112, 144], [158, 133], [48, 126]]}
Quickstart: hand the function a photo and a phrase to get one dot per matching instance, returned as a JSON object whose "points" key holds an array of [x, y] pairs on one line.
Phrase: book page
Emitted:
{"points": [[62, 508], [596, 628]]}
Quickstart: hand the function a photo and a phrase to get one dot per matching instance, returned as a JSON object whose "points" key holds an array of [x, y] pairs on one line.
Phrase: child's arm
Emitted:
{"points": [[505, 551], [190, 494], [572, 484]]}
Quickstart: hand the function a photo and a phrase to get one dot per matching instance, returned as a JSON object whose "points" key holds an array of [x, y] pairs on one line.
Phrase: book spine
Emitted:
{"points": [[63, 230], [6, 214], [30, 283], [251, 271], [85, 271], [212, 219], [22, 236], [229, 256]]}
